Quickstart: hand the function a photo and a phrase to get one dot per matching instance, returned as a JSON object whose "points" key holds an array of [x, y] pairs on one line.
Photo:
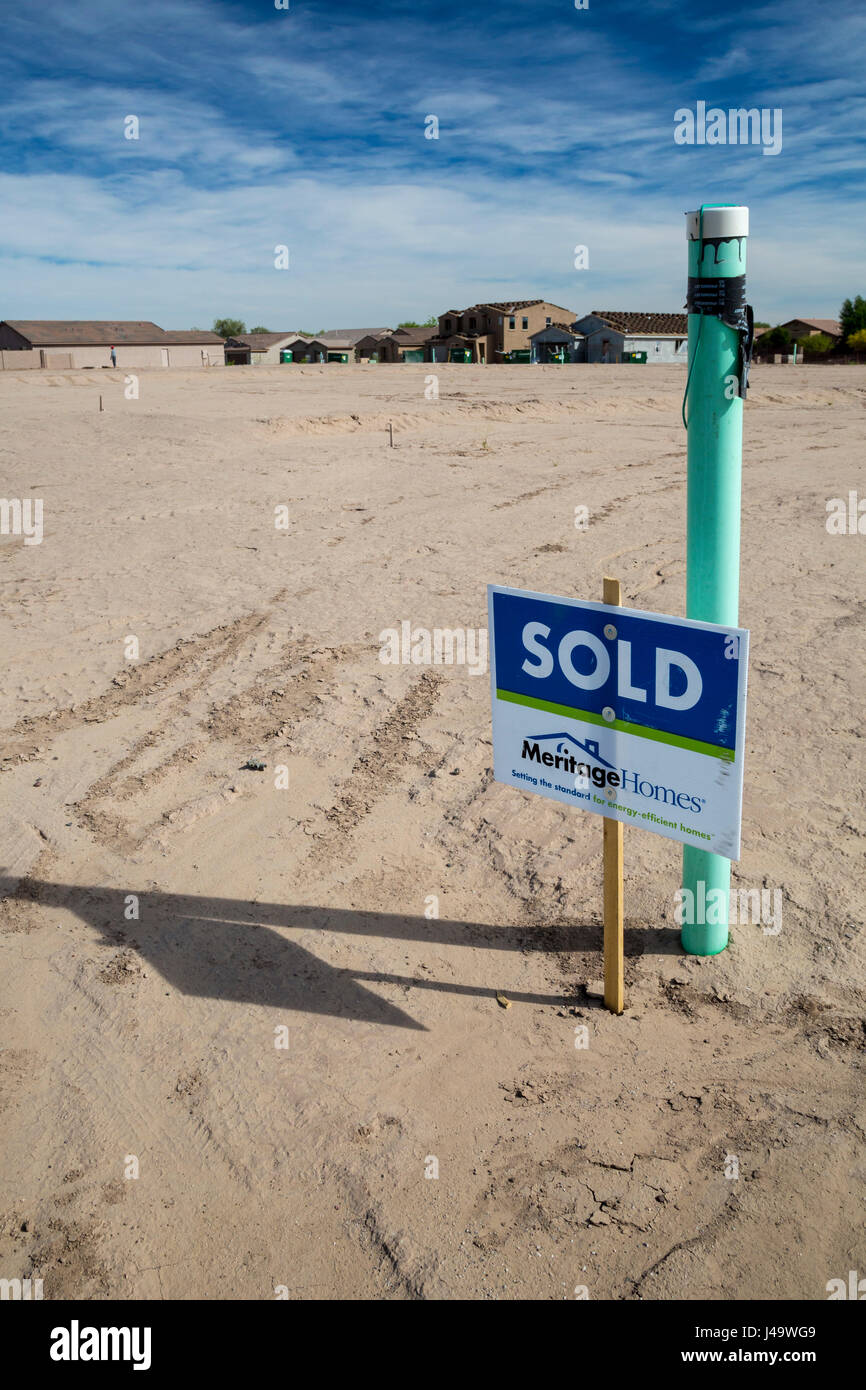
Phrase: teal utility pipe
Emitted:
{"points": [[713, 409]]}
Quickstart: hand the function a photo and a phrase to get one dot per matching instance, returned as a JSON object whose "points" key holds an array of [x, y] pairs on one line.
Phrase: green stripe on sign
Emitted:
{"points": [[710, 750]]}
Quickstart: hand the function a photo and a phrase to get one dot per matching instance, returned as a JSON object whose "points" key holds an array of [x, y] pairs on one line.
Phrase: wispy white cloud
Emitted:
{"points": [[306, 128], [382, 251]]}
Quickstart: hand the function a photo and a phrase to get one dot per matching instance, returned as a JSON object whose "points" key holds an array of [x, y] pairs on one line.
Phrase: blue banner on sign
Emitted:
{"points": [[676, 678]]}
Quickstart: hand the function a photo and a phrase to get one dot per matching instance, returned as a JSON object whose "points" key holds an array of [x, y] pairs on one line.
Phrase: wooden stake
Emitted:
{"points": [[100, 403], [614, 971], [391, 431]]}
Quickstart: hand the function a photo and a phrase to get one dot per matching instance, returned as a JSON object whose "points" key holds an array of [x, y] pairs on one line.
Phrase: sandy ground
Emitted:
{"points": [[297, 915]]}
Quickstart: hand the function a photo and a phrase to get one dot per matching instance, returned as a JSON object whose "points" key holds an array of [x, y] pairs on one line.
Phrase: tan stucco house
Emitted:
{"points": [[409, 344], [257, 349], [59, 344], [807, 328], [496, 332]]}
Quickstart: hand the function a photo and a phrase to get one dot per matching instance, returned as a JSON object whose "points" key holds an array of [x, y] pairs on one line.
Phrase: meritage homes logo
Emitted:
{"points": [[599, 771]]}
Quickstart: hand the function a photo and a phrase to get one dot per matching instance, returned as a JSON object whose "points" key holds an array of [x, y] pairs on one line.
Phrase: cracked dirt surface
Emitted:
{"points": [[260, 891]]}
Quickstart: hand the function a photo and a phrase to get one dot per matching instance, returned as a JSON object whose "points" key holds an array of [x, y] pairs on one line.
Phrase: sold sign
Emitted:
{"points": [[635, 716]]}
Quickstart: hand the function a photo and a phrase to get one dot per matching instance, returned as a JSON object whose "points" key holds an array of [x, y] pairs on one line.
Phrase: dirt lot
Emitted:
{"points": [[238, 989]]}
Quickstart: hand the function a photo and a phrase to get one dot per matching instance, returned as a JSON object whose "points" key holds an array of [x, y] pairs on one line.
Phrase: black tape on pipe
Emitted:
{"points": [[724, 297]]}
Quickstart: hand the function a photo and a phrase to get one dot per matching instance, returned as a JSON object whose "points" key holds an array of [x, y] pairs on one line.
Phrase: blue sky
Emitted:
{"points": [[262, 127]]}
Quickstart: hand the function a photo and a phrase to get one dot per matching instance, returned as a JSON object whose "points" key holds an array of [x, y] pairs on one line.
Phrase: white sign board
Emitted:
{"points": [[633, 715]]}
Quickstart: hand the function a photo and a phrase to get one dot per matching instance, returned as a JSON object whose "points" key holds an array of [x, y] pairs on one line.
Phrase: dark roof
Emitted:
{"points": [[88, 332], [506, 308], [414, 333], [191, 335], [258, 342], [351, 335], [457, 337], [332, 343], [661, 325], [513, 305], [105, 333], [829, 326], [509, 308]]}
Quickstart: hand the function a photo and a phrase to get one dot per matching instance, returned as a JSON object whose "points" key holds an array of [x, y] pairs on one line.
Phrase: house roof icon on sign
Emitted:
{"points": [[590, 746]]}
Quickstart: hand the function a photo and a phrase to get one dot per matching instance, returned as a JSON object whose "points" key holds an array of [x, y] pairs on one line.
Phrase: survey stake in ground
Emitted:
{"points": [[632, 715]]}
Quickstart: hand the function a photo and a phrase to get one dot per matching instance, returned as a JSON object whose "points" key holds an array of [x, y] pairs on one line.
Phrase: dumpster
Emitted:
{"points": [[460, 355], [634, 357], [338, 356]]}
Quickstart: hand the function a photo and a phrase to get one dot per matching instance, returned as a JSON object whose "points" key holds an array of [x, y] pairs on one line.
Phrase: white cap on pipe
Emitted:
{"points": [[719, 222]]}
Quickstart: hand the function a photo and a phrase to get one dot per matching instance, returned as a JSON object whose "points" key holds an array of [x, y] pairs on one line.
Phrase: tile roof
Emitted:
{"points": [[508, 308], [660, 325], [513, 305]]}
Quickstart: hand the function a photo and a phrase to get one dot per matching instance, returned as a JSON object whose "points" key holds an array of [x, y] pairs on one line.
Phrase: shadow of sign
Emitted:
{"points": [[245, 952]]}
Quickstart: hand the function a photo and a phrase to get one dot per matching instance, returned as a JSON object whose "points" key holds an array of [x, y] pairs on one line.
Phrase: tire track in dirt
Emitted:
{"points": [[265, 710], [196, 655], [253, 716], [194, 658], [188, 666], [378, 769], [278, 699], [21, 912], [281, 697]]}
